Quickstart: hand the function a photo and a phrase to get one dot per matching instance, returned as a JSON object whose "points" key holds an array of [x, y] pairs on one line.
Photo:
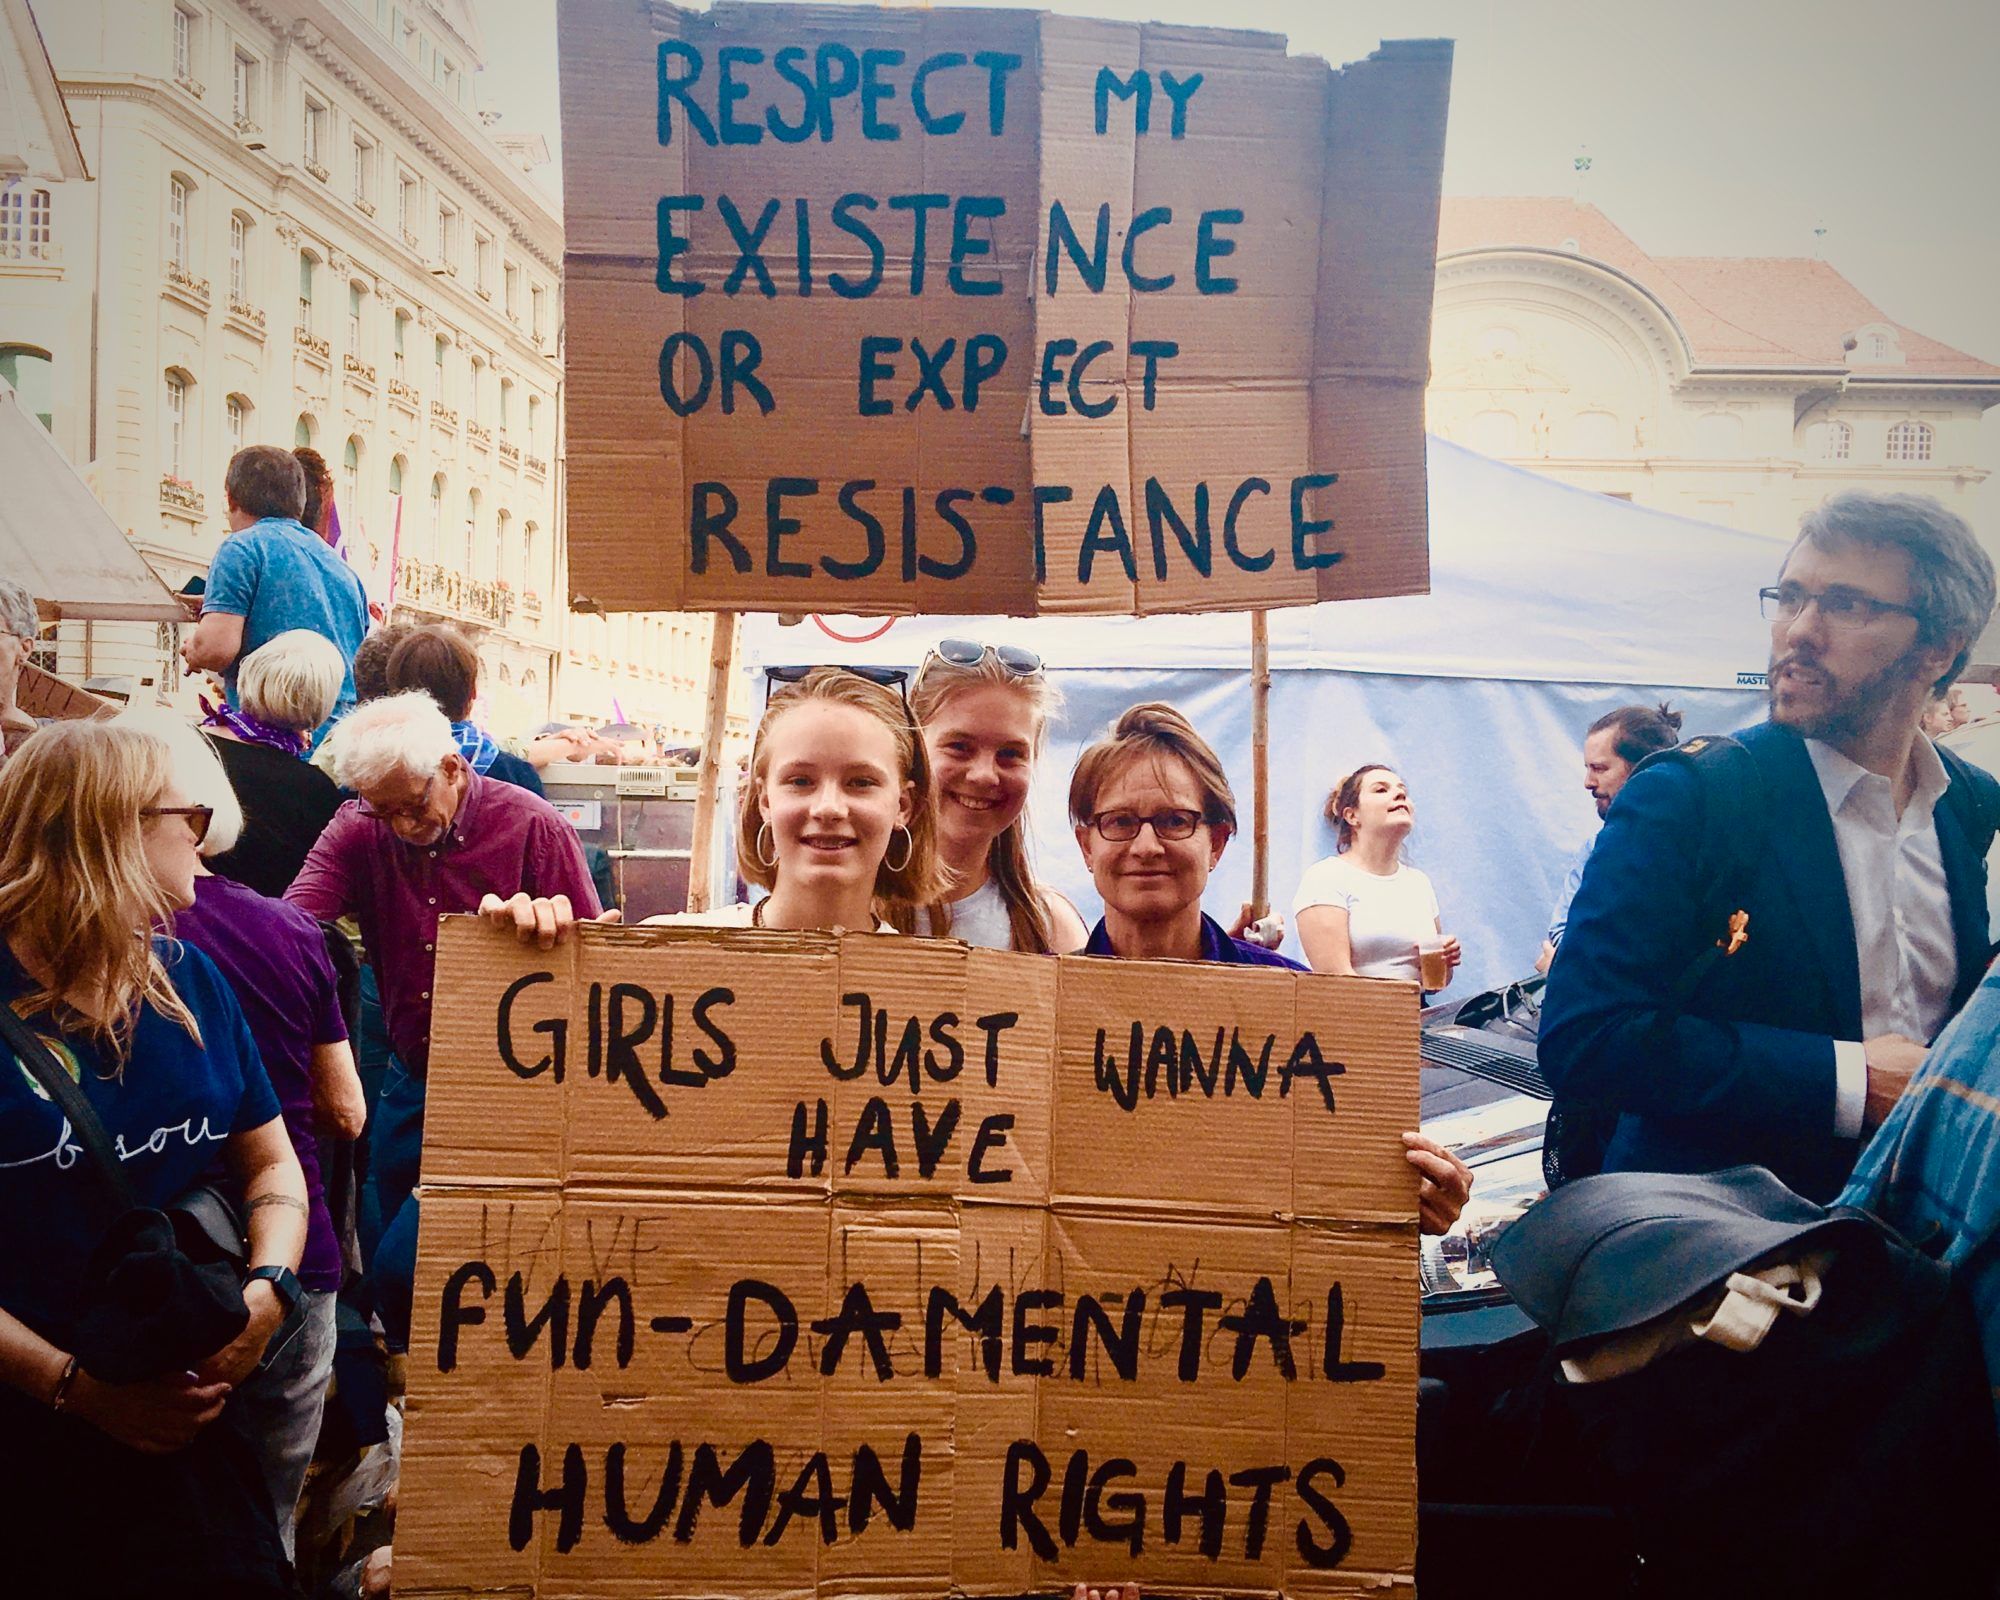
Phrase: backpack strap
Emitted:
{"points": [[68, 1097]]}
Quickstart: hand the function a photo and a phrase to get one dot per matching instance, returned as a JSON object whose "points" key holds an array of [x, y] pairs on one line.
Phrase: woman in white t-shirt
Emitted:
{"points": [[837, 819], [984, 710], [1364, 910]]}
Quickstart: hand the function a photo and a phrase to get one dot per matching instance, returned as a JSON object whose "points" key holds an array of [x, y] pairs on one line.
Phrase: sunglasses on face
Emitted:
{"points": [[198, 817], [1121, 827], [1014, 661]]}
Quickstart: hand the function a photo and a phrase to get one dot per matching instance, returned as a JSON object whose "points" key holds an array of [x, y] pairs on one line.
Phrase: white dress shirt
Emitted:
{"points": [[1901, 906]]}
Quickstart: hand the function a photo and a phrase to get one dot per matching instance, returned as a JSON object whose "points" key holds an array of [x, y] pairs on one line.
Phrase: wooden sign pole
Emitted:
{"points": [[1260, 763], [721, 652]]}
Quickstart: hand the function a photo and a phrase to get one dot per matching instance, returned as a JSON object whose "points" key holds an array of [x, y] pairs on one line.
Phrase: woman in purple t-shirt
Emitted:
{"points": [[274, 958]]}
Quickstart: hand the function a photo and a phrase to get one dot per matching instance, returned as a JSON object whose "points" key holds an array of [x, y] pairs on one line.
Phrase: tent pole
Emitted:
{"points": [[1260, 763], [722, 647]]}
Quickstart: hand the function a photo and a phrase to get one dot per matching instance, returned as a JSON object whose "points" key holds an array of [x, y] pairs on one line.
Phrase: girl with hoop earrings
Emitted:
{"points": [[837, 819]]}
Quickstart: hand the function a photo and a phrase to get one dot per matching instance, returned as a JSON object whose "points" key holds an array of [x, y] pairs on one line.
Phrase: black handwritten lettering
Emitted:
{"points": [[453, 1315], [741, 1367], [555, 1029], [565, 1498], [523, 1330]]}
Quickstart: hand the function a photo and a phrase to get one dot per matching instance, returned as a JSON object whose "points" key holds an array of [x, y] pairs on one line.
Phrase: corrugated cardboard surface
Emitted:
{"points": [[1232, 1209], [1313, 365], [43, 694]]}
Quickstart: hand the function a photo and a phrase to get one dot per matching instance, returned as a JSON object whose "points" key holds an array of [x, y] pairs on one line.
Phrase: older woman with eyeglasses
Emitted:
{"points": [[1153, 812], [984, 710]]}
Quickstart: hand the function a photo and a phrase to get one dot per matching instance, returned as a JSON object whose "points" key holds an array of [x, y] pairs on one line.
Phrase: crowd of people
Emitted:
{"points": [[226, 938]]}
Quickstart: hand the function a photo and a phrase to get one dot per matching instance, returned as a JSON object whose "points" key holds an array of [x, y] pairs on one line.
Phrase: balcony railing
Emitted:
{"points": [[536, 465], [181, 495], [317, 169], [243, 311], [478, 433], [318, 344], [531, 605], [405, 392], [443, 414], [443, 591], [354, 365], [186, 284], [510, 452], [188, 83], [245, 127]]}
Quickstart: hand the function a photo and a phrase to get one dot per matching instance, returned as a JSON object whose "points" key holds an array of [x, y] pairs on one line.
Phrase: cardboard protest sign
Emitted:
{"points": [[782, 1265], [875, 310]]}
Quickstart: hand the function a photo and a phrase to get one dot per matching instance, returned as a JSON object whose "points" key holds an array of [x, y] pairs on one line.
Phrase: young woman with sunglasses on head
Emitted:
{"points": [[1153, 812], [984, 710], [142, 1487], [836, 818]]}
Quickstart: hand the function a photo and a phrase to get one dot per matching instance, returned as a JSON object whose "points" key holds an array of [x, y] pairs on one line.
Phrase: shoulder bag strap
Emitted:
{"points": [[69, 1097]]}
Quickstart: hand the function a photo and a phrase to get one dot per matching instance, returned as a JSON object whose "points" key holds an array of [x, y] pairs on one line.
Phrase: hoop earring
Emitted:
{"points": [[909, 848], [763, 831]]}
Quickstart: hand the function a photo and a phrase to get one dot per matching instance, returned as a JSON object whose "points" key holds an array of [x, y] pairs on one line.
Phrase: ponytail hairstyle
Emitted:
{"points": [[920, 880], [75, 887], [1343, 798], [1156, 730], [1007, 858]]}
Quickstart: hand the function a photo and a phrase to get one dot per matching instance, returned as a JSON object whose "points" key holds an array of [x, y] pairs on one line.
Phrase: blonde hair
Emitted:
{"points": [[76, 890], [1007, 858], [1153, 729], [197, 771], [293, 680], [920, 880]]}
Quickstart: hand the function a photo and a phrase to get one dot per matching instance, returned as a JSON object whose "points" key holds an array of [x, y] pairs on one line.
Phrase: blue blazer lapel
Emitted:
{"points": [[1965, 879], [1801, 841]]}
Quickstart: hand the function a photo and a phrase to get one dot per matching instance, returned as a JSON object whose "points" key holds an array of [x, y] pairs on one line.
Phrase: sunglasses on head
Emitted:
{"points": [[887, 677], [1014, 661]]}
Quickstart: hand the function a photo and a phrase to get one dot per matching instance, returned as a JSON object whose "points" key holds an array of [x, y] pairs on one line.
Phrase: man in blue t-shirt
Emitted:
{"points": [[272, 574]]}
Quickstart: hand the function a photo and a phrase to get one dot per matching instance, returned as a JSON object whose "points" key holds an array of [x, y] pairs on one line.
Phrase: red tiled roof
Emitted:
{"points": [[1743, 311]]}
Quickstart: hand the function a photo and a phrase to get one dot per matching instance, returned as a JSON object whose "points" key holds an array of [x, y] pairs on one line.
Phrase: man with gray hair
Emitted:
{"points": [[273, 574], [426, 838], [19, 625], [1773, 927]]}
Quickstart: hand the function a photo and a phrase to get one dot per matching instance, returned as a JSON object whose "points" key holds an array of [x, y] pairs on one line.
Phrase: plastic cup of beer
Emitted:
{"points": [[1431, 962]]}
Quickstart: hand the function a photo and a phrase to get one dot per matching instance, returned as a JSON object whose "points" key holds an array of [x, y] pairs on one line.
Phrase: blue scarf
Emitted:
{"points": [[476, 745]]}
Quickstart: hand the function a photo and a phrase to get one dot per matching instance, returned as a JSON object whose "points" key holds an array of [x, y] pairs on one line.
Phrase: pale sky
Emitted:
{"points": [[1714, 127]]}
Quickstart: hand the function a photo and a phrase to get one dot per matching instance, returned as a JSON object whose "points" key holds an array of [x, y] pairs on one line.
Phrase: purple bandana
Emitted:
{"points": [[250, 730]]}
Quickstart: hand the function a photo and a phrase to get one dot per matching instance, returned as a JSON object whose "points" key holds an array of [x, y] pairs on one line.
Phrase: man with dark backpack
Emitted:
{"points": [[1773, 927]]}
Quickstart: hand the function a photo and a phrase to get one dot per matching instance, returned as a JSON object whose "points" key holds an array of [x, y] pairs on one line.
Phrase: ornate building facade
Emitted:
{"points": [[303, 230], [1738, 391]]}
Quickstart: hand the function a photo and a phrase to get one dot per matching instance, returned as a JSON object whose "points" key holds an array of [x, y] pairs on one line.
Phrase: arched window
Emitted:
{"points": [[31, 373], [308, 262], [306, 431], [179, 235], [1829, 441], [236, 418], [239, 256], [178, 444], [350, 475], [24, 223], [396, 476], [1909, 441]]}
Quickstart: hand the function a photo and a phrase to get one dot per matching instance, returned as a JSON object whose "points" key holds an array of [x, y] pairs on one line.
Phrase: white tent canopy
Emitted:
{"points": [[1549, 606], [58, 542]]}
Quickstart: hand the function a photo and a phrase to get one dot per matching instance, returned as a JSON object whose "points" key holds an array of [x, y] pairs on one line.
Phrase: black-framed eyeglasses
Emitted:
{"points": [[1838, 608], [1014, 660], [887, 677], [409, 813], [198, 817], [1121, 827]]}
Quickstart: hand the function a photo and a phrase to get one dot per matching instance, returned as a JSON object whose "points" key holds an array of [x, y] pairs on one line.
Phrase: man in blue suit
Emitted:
{"points": [[1852, 893]]}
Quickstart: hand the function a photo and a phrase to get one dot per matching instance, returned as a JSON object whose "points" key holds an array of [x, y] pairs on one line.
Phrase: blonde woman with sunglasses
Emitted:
{"points": [[985, 710]]}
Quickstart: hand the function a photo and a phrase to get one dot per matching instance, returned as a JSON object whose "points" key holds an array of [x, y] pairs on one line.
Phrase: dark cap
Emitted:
{"points": [[1608, 1253]]}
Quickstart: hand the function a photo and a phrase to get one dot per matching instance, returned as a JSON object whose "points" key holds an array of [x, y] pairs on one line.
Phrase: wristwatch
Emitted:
{"points": [[283, 1283]]}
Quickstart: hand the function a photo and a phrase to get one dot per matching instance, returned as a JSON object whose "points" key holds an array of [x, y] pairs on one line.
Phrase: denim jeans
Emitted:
{"points": [[395, 1159], [278, 1408]]}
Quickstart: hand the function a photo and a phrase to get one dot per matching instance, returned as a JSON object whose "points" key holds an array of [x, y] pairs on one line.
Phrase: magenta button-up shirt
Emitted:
{"points": [[503, 841]]}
